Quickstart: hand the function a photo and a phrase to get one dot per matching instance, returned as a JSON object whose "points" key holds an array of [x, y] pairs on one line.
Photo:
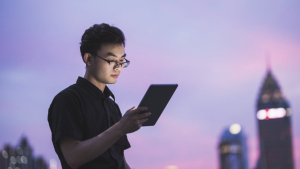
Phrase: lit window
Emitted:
{"points": [[261, 114], [272, 113], [235, 128]]}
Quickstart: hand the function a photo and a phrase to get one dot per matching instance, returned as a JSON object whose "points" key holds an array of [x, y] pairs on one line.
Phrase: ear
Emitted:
{"points": [[87, 59]]}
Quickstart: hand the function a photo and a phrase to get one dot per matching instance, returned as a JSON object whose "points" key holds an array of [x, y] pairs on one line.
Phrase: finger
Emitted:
{"points": [[143, 115], [143, 121], [139, 109], [133, 108]]}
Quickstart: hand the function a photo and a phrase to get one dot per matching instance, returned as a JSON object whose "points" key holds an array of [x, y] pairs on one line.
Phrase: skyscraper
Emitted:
{"points": [[274, 127], [21, 157], [233, 149]]}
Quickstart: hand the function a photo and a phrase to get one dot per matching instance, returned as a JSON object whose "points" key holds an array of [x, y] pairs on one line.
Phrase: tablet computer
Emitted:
{"points": [[156, 99]]}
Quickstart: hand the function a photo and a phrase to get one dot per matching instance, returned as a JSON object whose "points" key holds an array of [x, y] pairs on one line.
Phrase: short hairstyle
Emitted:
{"points": [[99, 34]]}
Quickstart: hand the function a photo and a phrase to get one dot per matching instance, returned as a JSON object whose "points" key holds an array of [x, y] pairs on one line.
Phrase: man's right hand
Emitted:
{"points": [[133, 119]]}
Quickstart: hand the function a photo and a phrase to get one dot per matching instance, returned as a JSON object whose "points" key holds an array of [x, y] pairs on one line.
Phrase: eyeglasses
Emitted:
{"points": [[116, 63]]}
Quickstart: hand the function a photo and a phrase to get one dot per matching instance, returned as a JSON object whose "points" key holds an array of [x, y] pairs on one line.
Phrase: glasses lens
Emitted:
{"points": [[123, 64], [117, 64], [126, 64]]}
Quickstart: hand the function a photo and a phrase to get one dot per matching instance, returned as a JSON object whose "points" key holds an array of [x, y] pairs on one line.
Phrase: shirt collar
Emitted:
{"points": [[94, 90]]}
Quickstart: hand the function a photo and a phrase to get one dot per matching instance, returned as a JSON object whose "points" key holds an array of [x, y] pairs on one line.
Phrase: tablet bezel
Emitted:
{"points": [[159, 94]]}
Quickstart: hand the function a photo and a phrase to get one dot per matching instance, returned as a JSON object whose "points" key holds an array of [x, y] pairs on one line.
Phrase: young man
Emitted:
{"points": [[88, 130]]}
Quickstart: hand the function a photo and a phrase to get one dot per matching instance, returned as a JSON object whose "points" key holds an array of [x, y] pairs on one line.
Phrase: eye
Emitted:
{"points": [[119, 61], [111, 60]]}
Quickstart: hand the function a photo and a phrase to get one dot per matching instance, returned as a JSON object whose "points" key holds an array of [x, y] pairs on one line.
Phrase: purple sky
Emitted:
{"points": [[216, 52]]}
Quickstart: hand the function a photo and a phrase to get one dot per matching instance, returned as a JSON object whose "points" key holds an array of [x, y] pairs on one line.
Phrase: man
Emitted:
{"points": [[88, 130]]}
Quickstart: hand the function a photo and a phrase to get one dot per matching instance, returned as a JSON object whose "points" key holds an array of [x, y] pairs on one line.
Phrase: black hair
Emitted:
{"points": [[99, 34]]}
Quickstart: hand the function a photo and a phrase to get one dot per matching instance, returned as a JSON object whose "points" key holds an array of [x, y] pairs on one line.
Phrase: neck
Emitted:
{"points": [[93, 80]]}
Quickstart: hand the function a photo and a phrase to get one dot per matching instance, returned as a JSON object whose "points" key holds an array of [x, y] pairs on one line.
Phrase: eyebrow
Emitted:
{"points": [[111, 54]]}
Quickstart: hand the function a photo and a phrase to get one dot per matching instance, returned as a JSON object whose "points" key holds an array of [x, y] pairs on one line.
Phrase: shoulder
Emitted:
{"points": [[69, 95], [66, 102], [71, 92]]}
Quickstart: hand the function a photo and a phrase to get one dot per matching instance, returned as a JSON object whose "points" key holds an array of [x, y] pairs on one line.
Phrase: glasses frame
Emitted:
{"points": [[116, 62]]}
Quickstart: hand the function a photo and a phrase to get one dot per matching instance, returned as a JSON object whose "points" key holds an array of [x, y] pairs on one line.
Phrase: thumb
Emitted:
{"points": [[133, 108]]}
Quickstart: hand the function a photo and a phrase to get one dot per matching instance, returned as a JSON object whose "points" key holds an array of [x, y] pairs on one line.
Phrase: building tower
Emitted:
{"points": [[21, 157], [274, 127], [233, 149]]}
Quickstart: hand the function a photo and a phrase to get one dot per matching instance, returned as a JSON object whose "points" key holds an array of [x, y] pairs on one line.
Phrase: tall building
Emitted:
{"points": [[7, 152], [20, 157], [232, 149], [274, 127]]}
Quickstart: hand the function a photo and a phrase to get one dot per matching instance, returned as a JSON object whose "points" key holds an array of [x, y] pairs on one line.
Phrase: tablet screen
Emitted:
{"points": [[156, 99]]}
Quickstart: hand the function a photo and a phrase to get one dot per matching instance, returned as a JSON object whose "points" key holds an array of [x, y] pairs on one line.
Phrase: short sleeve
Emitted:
{"points": [[65, 118], [126, 143]]}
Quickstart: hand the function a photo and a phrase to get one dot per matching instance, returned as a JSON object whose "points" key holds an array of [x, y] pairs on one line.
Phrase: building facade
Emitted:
{"points": [[274, 127], [20, 157], [232, 149]]}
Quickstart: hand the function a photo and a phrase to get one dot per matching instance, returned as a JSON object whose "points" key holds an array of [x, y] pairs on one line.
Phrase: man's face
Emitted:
{"points": [[101, 70]]}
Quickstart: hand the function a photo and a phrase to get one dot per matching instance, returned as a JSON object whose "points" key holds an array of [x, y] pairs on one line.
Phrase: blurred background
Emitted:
{"points": [[218, 52]]}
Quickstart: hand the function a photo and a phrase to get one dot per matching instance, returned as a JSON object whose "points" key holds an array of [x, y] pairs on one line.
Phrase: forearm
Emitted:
{"points": [[78, 153], [82, 152]]}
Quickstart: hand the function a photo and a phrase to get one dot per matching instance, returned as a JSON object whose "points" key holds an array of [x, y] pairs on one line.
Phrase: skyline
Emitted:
{"points": [[21, 157], [215, 51]]}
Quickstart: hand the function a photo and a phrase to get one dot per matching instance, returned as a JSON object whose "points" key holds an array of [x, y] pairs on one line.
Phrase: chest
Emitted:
{"points": [[98, 115]]}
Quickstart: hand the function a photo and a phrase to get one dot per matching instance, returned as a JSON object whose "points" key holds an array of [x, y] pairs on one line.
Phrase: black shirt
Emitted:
{"points": [[82, 111]]}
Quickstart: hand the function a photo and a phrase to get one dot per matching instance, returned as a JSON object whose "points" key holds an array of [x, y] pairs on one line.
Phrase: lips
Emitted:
{"points": [[115, 76]]}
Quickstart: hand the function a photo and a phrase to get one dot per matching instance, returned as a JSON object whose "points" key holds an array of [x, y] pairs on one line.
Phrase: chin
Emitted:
{"points": [[112, 82]]}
